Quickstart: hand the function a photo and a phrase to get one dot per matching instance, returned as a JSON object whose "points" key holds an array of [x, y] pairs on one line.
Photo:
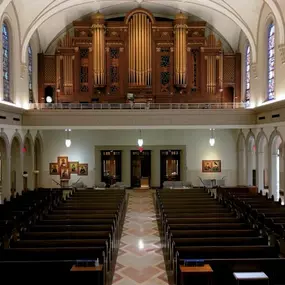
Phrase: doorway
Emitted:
{"points": [[140, 167], [111, 168], [169, 166]]}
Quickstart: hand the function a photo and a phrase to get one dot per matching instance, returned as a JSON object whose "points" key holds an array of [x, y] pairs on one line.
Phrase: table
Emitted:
{"points": [[251, 278], [194, 271]]}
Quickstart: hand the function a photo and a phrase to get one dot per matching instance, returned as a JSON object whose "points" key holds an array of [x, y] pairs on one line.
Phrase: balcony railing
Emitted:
{"points": [[134, 106]]}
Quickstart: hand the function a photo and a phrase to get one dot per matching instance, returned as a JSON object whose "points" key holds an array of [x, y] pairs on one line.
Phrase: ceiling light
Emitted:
{"points": [[48, 99]]}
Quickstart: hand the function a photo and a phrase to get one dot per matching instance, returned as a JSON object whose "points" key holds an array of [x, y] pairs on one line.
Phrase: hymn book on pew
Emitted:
{"points": [[87, 263], [194, 262]]}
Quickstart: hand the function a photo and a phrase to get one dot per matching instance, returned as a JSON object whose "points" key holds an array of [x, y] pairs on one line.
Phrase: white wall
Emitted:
{"points": [[194, 143]]}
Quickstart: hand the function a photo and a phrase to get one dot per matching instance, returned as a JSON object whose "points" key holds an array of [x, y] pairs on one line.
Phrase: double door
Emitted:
{"points": [[111, 169], [140, 167], [169, 165]]}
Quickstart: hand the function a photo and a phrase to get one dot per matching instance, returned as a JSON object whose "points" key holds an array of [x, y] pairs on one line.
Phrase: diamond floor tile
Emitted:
{"points": [[140, 260]]}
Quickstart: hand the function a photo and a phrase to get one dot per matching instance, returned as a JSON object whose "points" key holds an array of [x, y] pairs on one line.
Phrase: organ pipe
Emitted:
{"points": [[139, 50], [180, 31], [98, 42], [211, 74], [67, 75]]}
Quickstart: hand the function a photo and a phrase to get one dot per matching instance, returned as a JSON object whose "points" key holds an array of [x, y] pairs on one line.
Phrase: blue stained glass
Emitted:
{"points": [[30, 67], [271, 62], [6, 62], [247, 75]]}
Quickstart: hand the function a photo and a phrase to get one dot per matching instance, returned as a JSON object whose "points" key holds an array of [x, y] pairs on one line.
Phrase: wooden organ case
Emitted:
{"points": [[158, 61]]}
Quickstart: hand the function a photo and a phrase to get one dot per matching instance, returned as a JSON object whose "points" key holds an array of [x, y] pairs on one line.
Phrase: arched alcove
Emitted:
{"points": [[37, 161], [276, 164], [4, 168], [16, 166], [262, 162], [28, 163], [241, 147], [251, 159]]}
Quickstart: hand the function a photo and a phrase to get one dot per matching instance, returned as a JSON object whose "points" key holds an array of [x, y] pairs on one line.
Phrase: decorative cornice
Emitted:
{"points": [[23, 70], [254, 69], [282, 52]]}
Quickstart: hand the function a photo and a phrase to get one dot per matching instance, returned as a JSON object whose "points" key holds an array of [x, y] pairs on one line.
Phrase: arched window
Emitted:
{"points": [[247, 75], [271, 62], [6, 62], [30, 73]]}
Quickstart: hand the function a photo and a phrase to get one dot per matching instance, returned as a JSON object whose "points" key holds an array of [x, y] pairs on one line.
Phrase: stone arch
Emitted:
{"points": [[262, 161], [28, 166], [16, 163], [241, 155], [5, 166], [251, 158], [276, 162], [65, 5]]}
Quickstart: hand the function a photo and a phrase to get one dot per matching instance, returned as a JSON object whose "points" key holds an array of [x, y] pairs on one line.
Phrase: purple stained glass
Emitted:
{"points": [[30, 67], [247, 74], [271, 62], [6, 62]]}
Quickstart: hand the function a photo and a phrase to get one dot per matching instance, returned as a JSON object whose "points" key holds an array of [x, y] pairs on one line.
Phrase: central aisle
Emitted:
{"points": [[140, 259]]}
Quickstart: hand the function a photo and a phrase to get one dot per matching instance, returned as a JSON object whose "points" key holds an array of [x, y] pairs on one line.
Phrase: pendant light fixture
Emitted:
{"points": [[67, 140], [140, 140], [212, 138]]}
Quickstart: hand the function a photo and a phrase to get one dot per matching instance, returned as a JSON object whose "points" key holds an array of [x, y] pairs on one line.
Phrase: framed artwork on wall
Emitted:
{"points": [[211, 166], [64, 173], [62, 161], [83, 169], [73, 167], [53, 168]]}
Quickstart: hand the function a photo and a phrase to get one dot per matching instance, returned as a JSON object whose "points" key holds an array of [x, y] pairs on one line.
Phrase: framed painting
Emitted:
{"points": [[62, 161], [64, 173], [53, 168], [73, 167], [211, 166], [82, 169]]}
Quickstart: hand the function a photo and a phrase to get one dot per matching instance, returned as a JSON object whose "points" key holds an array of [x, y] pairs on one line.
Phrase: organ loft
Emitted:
{"points": [[158, 60]]}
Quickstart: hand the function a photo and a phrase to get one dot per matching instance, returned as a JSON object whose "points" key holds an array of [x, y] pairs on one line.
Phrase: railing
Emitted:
{"points": [[134, 106]]}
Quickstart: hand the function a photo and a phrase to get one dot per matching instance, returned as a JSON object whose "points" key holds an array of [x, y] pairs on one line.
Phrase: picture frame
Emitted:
{"points": [[64, 173], [73, 167], [53, 168], [211, 166], [62, 161], [83, 169]]}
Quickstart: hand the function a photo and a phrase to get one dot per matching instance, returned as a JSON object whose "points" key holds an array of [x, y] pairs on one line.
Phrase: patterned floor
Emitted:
{"points": [[140, 259]]}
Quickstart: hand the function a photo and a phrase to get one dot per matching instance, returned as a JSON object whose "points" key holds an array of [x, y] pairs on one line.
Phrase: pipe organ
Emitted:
{"points": [[157, 59], [139, 48]]}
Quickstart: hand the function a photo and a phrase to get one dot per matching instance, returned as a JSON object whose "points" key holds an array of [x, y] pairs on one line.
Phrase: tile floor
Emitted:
{"points": [[140, 258]]}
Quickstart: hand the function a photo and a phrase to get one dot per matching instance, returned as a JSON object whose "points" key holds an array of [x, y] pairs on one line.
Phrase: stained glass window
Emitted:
{"points": [[30, 72], [247, 75], [6, 62], [271, 62]]}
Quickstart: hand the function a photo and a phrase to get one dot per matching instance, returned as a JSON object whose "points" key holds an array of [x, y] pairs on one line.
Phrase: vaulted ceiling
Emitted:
{"points": [[229, 17]]}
